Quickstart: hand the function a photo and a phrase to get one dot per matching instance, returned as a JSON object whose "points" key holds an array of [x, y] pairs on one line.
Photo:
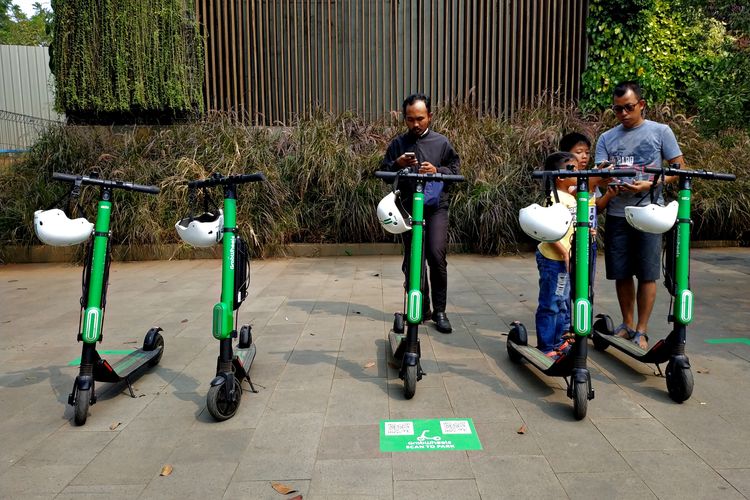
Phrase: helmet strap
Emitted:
{"points": [[550, 188]]}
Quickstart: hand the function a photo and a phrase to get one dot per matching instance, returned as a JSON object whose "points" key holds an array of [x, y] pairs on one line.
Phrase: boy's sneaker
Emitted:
{"points": [[553, 355]]}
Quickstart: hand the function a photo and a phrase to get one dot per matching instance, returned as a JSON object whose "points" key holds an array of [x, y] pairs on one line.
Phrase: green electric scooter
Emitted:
{"points": [[233, 365], [670, 350], [570, 365], [53, 227], [405, 348]]}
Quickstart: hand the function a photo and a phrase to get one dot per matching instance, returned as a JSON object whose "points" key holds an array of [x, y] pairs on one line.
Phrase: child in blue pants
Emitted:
{"points": [[553, 261]]}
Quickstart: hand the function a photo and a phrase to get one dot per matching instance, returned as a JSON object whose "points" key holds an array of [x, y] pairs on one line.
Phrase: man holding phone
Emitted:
{"points": [[427, 152], [635, 143]]}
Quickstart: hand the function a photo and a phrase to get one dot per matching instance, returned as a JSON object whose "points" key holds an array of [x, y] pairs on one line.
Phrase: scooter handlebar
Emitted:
{"points": [[684, 172], [94, 181], [220, 180], [406, 174], [620, 172]]}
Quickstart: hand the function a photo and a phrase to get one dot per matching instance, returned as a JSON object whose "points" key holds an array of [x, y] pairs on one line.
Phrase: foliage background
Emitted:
{"points": [[126, 60], [16, 28], [693, 55], [320, 186]]}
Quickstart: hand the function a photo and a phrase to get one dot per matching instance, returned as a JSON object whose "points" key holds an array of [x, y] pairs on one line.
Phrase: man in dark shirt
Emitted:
{"points": [[427, 152]]}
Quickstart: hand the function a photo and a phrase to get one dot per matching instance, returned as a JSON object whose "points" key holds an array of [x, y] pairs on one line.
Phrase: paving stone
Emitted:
{"points": [[282, 446], [109, 491], [679, 474], [357, 402], [610, 485], [524, 476], [455, 489], [263, 490], [350, 442], [431, 465], [363, 478]]}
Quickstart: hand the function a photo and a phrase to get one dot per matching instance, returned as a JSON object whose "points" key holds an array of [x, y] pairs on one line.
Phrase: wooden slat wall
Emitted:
{"points": [[271, 61]]}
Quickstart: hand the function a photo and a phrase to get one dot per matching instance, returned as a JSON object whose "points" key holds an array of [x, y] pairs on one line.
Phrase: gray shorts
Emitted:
{"points": [[629, 252]]}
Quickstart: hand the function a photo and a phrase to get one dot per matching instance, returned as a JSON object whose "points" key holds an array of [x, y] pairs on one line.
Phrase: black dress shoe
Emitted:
{"points": [[442, 323], [426, 315]]}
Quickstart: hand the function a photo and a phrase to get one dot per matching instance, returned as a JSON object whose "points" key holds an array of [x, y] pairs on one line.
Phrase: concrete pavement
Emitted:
{"points": [[325, 383]]}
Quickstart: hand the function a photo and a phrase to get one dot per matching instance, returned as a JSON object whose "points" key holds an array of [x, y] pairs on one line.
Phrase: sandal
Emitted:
{"points": [[629, 333], [637, 337]]}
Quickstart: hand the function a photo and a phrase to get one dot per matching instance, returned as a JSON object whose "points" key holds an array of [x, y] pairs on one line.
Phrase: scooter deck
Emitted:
{"points": [[658, 353], [561, 367], [123, 368], [398, 344], [245, 359]]}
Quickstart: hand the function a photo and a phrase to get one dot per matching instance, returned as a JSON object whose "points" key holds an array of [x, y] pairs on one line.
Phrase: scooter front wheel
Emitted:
{"points": [[410, 381], [219, 406], [679, 382], [580, 399], [83, 399]]}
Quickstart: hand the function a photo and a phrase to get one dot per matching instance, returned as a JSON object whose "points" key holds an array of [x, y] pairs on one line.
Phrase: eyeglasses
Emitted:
{"points": [[625, 107]]}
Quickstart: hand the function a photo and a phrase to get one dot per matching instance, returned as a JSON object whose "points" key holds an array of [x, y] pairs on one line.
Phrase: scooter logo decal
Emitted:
{"points": [[91, 325], [231, 255], [686, 307], [582, 315], [414, 314]]}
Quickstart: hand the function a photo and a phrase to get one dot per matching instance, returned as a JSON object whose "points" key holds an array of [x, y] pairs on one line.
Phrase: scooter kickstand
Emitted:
{"points": [[130, 388], [661, 374]]}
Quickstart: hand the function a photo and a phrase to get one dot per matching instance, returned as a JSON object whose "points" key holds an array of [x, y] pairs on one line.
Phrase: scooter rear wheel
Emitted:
{"points": [[398, 323], [157, 343], [679, 383], [83, 399], [219, 406], [410, 381], [580, 399]]}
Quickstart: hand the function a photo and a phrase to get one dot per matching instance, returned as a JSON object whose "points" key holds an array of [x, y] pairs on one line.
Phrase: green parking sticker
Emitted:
{"points": [[428, 435]]}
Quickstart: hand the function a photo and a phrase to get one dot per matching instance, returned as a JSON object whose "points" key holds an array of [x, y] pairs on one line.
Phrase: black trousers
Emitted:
{"points": [[435, 237]]}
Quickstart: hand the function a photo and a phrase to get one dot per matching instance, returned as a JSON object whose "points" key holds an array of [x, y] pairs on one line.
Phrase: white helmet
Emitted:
{"points": [[53, 227], [652, 218], [390, 215], [545, 223], [202, 231]]}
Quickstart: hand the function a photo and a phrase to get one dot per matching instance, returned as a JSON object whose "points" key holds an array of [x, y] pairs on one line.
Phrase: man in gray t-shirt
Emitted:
{"points": [[635, 143]]}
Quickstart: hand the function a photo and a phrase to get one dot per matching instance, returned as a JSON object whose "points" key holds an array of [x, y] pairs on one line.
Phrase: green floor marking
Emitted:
{"points": [[77, 361], [741, 340], [428, 435]]}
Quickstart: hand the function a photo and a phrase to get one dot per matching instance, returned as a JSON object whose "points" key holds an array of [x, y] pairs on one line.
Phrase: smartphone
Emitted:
{"points": [[410, 154]]}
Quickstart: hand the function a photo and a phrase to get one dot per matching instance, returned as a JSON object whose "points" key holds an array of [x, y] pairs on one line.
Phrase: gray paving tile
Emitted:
{"points": [[610, 485], [350, 442], [363, 478], [206, 479], [283, 446], [357, 402], [110, 491], [21, 481], [679, 474], [263, 490], [501, 438], [637, 434], [524, 476], [738, 478], [133, 456], [299, 400], [431, 465], [455, 489]]}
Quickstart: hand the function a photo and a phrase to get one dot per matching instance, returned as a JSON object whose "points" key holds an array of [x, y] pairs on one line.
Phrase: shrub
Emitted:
{"points": [[320, 186]]}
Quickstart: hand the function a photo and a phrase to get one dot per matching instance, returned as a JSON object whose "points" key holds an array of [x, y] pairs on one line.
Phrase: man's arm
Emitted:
{"points": [[450, 163]]}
